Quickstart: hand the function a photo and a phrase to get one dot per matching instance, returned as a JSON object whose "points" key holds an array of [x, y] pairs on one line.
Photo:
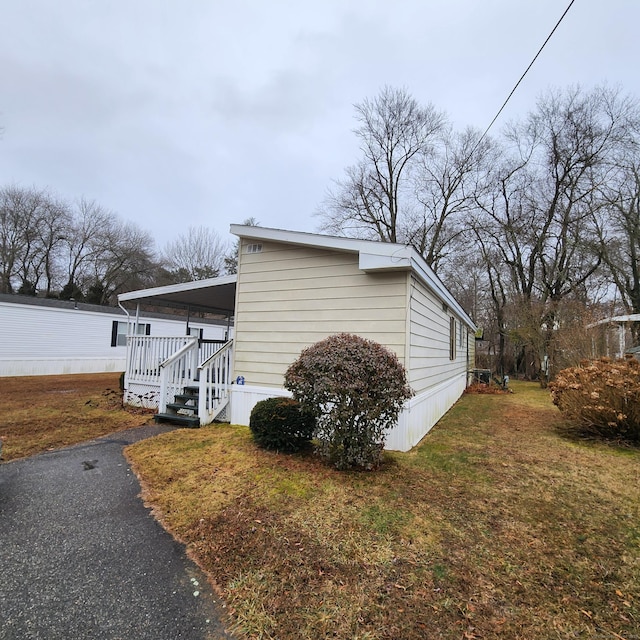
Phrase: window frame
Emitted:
{"points": [[119, 339], [452, 338]]}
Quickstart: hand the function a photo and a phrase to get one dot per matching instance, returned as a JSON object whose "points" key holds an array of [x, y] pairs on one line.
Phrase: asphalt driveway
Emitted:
{"points": [[81, 557]]}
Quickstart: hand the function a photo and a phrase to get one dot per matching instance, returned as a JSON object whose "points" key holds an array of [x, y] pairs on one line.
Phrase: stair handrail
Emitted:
{"points": [[226, 345], [166, 368], [181, 351], [214, 383]]}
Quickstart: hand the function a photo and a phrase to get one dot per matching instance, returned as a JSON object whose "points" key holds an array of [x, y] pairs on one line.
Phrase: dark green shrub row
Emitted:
{"points": [[278, 424]]}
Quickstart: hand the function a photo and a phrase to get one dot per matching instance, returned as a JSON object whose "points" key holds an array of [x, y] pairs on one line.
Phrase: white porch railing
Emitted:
{"points": [[214, 381], [177, 371], [208, 348], [158, 368], [145, 354]]}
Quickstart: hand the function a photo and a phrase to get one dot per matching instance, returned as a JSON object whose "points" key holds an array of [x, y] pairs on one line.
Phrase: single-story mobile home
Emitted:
{"points": [[293, 289], [41, 336]]}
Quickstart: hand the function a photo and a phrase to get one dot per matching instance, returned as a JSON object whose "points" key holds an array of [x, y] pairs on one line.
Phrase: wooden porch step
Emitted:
{"points": [[192, 422], [179, 406], [185, 396], [191, 389]]}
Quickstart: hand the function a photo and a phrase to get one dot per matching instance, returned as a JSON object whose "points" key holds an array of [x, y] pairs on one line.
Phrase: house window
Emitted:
{"points": [[254, 248], [452, 338], [119, 332]]}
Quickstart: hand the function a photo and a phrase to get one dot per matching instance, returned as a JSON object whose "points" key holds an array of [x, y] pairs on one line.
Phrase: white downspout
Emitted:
{"points": [[125, 311], [127, 358]]}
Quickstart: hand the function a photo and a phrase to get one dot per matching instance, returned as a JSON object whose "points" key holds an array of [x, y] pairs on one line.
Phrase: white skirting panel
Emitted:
{"points": [[423, 411], [244, 397], [60, 366], [419, 416]]}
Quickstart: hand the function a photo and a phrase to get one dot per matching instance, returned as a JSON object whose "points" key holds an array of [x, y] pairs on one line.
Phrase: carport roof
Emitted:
{"points": [[217, 295], [214, 295]]}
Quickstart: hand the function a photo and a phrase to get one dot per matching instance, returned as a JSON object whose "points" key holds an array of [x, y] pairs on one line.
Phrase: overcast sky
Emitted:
{"points": [[177, 113]]}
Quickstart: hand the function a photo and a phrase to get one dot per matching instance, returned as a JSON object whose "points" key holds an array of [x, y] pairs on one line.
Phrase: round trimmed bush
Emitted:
{"points": [[355, 388], [279, 424]]}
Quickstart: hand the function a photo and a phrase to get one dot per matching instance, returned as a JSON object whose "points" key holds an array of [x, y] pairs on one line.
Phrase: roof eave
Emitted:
{"points": [[157, 292], [372, 256]]}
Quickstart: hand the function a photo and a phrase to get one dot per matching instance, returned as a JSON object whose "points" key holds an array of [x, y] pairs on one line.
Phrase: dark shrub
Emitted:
{"points": [[355, 388], [279, 424], [602, 397]]}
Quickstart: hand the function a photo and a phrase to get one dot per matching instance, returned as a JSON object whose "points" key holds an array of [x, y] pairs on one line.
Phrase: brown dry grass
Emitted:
{"points": [[40, 413], [496, 526]]}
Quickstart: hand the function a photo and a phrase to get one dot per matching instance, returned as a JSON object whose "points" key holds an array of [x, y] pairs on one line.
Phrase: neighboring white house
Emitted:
{"points": [[293, 289], [41, 336], [616, 345]]}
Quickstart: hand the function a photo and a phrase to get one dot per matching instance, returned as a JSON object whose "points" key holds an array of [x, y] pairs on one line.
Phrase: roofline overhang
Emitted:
{"points": [[372, 256], [162, 296], [156, 292], [630, 317]]}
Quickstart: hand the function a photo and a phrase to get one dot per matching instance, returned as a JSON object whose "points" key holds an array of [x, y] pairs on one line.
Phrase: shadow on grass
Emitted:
{"points": [[579, 434]]}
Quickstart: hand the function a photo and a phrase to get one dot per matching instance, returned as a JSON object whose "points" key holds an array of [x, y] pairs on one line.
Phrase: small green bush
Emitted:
{"points": [[279, 424], [602, 397], [355, 388]]}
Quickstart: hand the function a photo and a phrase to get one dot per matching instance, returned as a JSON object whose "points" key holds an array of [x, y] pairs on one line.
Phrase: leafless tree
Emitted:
{"points": [[539, 215], [618, 228], [90, 223], [493, 307], [11, 233], [138, 259], [394, 131], [573, 137], [447, 185], [32, 225], [54, 222], [121, 259], [196, 255]]}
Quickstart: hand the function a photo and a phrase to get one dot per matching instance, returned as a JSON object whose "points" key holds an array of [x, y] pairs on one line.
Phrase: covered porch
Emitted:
{"points": [[187, 378], [604, 345]]}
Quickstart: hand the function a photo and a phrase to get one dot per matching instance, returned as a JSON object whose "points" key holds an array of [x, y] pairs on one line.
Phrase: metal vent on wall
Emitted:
{"points": [[254, 248]]}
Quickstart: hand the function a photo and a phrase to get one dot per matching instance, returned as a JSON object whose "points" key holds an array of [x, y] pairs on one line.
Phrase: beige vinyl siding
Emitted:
{"points": [[429, 345], [289, 297], [471, 360]]}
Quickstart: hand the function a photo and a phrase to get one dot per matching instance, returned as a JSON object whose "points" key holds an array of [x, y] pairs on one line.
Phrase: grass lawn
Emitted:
{"points": [[40, 413], [499, 525]]}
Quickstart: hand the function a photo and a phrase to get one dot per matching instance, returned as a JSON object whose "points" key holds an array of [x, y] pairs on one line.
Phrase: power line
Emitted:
{"points": [[544, 44]]}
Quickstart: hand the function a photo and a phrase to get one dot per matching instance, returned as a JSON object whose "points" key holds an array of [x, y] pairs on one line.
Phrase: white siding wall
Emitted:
{"points": [[38, 340], [423, 411], [290, 297], [437, 380], [429, 361]]}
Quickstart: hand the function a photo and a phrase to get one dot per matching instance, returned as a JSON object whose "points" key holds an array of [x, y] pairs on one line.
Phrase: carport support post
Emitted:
{"points": [[135, 328], [195, 355]]}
